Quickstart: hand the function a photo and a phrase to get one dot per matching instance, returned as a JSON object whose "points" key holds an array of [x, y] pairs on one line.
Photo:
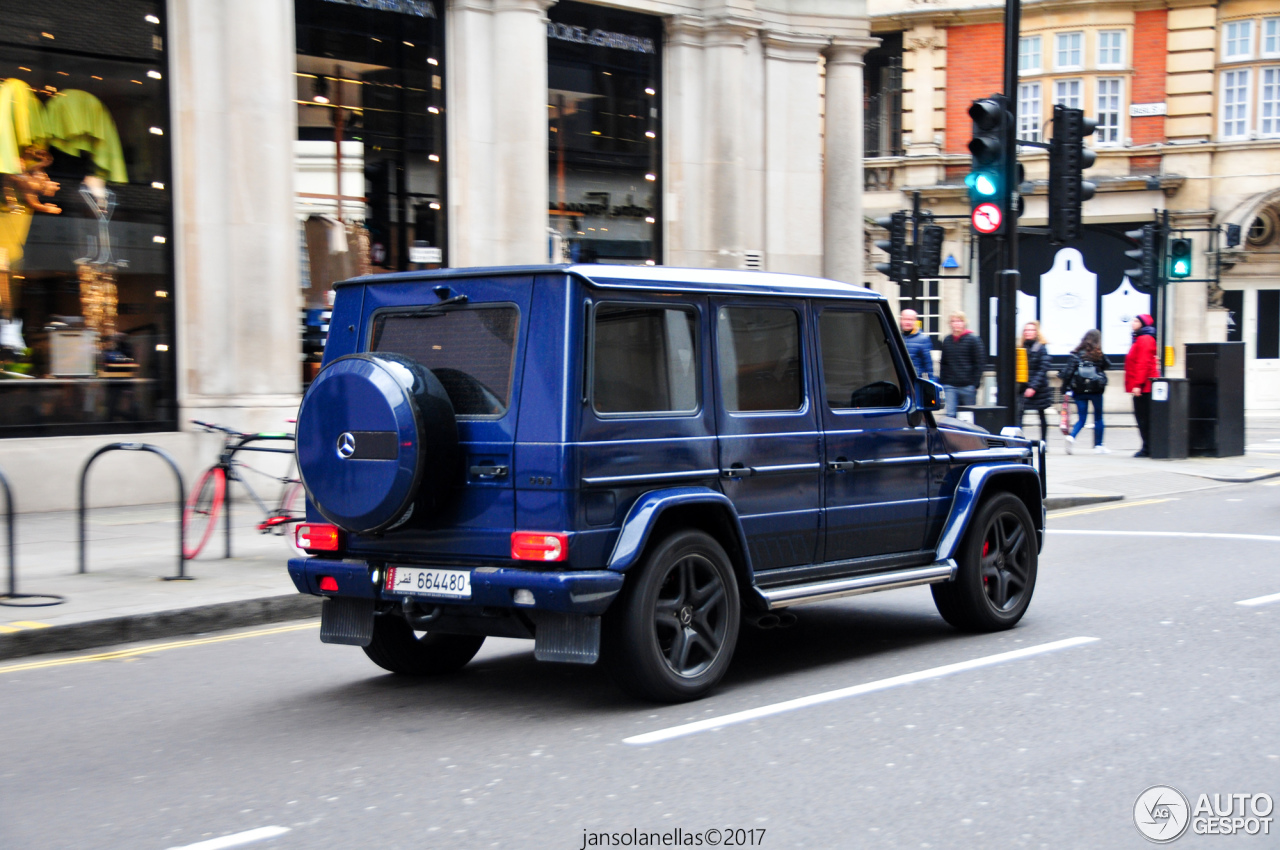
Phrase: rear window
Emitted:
{"points": [[471, 350]]}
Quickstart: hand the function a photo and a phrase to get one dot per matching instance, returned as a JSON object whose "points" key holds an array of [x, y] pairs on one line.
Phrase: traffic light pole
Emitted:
{"points": [[913, 270], [1007, 279]]}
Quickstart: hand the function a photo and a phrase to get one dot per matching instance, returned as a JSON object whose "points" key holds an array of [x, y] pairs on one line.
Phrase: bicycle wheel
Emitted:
{"points": [[201, 512], [294, 506]]}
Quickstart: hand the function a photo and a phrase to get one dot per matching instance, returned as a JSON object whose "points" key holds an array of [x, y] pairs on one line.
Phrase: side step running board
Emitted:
{"points": [[796, 594]]}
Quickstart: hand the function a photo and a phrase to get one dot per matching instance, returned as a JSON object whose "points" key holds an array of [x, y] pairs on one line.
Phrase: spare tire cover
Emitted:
{"points": [[377, 441]]}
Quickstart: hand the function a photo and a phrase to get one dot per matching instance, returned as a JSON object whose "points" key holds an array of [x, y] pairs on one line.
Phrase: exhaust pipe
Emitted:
{"points": [[418, 621], [786, 620], [767, 621]]}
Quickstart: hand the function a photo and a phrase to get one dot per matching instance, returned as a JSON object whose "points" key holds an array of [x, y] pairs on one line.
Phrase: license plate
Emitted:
{"points": [[422, 581]]}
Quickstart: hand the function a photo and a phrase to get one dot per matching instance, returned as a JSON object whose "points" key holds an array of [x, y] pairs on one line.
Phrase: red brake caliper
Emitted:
{"points": [[986, 548]]}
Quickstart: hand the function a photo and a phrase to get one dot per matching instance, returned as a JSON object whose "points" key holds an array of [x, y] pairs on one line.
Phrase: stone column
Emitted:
{"points": [[842, 160], [684, 130], [236, 242], [497, 98], [725, 50], [793, 153]]}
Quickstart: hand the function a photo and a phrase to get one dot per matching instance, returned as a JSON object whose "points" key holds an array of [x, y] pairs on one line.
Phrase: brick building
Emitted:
{"points": [[1187, 98]]}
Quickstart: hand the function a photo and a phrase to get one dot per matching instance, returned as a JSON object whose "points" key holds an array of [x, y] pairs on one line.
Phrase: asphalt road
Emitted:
{"points": [[170, 745]]}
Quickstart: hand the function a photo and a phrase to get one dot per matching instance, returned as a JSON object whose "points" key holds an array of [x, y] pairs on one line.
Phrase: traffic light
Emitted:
{"points": [[929, 251], [895, 246], [1147, 274], [1068, 158], [1179, 258], [988, 180]]}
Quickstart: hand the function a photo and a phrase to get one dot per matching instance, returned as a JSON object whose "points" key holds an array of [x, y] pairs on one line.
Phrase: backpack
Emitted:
{"points": [[1088, 378]]}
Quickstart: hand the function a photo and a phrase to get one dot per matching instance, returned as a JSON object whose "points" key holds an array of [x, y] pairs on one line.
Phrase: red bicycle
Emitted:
{"points": [[200, 515]]}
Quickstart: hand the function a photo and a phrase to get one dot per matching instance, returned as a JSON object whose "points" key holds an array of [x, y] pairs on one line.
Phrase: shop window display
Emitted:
{"points": [[604, 101], [86, 273], [370, 153]]}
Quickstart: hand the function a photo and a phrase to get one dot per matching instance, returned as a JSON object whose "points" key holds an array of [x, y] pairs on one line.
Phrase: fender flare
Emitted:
{"points": [[968, 496], [649, 508]]}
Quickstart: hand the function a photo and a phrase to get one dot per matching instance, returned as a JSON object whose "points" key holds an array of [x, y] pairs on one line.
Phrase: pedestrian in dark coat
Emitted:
{"points": [[1035, 394], [963, 362], [919, 345], [1140, 367]]}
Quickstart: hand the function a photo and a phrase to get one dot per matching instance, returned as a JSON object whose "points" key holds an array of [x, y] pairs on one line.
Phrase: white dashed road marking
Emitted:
{"points": [[844, 693], [238, 840], [1208, 535], [1260, 600]]}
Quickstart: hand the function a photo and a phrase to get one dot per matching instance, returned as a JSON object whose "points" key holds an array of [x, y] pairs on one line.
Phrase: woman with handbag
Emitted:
{"points": [[1084, 379]]}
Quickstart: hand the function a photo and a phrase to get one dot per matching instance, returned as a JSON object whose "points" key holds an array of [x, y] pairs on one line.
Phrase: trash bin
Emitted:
{"points": [[1168, 418], [989, 416], [1215, 399]]}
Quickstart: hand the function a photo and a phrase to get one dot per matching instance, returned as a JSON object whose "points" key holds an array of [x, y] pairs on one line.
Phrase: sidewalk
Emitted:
{"points": [[124, 598]]}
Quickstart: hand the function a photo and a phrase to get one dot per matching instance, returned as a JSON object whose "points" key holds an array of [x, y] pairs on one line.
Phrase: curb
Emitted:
{"points": [[160, 624], [1057, 503]]}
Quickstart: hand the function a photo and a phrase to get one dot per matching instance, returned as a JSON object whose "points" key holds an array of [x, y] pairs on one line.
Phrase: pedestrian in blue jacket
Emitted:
{"points": [[919, 346]]}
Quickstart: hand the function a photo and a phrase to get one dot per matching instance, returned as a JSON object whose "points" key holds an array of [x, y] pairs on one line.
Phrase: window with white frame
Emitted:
{"points": [[1029, 112], [1108, 132], [1235, 104], [1269, 102], [1111, 49], [1070, 50], [1238, 40], [1067, 93], [1271, 37], [1029, 54]]}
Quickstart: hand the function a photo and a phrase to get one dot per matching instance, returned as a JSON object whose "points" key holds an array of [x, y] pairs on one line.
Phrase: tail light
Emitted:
{"points": [[315, 537], [539, 546]]}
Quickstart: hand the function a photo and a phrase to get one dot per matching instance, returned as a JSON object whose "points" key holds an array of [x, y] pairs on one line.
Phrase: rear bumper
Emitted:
{"points": [[581, 592]]}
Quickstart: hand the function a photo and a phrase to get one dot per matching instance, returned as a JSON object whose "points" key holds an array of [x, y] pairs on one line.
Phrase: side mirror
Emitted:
{"points": [[929, 395]]}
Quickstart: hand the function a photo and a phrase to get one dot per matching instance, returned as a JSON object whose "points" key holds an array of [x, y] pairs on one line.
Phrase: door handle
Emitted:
{"points": [[842, 464], [737, 471], [488, 473]]}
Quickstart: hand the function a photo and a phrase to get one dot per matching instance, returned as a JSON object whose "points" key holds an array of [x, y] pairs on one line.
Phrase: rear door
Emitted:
{"points": [[768, 440], [473, 345], [876, 460]]}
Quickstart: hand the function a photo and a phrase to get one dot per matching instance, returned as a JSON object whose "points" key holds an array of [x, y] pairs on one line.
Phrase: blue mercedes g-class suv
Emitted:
{"points": [[629, 463]]}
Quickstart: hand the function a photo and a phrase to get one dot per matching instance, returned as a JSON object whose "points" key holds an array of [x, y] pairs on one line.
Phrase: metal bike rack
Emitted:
{"points": [[182, 500], [13, 597]]}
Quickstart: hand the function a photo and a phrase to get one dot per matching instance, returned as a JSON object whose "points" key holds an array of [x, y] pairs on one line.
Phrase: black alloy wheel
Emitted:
{"points": [[671, 633], [997, 568]]}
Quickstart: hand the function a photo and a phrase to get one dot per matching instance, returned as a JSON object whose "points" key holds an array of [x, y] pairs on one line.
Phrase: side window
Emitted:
{"points": [[759, 353], [857, 363], [645, 359]]}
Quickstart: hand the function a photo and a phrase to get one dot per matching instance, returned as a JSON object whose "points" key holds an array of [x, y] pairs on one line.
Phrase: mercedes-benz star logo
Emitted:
{"points": [[346, 444]]}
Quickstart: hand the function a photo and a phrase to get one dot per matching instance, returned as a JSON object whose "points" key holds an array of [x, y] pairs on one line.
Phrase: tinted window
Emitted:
{"points": [[857, 362], [471, 351], [645, 359], [759, 350]]}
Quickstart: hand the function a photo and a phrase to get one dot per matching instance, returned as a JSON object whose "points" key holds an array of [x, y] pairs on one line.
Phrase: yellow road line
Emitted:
{"points": [[1109, 506], [8, 630], [29, 624], [159, 647]]}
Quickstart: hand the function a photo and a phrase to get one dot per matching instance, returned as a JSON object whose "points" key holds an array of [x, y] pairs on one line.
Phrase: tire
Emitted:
{"points": [[997, 569], [396, 648], [200, 514], [670, 635]]}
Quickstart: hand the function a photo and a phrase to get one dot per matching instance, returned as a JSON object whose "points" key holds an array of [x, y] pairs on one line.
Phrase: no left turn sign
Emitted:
{"points": [[987, 218]]}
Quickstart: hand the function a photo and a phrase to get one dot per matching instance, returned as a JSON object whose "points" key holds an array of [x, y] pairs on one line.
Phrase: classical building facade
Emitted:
{"points": [[1187, 97], [174, 259]]}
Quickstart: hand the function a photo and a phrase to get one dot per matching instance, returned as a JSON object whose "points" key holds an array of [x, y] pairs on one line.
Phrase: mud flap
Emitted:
{"points": [[346, 620], [567, 638]]}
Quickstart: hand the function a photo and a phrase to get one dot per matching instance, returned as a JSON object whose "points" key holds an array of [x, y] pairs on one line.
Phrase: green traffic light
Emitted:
{"points": [[1181, 268], [1180, 258], [981, 184]]}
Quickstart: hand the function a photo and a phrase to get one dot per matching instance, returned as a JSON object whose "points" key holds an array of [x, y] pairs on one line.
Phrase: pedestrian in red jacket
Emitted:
{"points": [[1140, 367]]}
